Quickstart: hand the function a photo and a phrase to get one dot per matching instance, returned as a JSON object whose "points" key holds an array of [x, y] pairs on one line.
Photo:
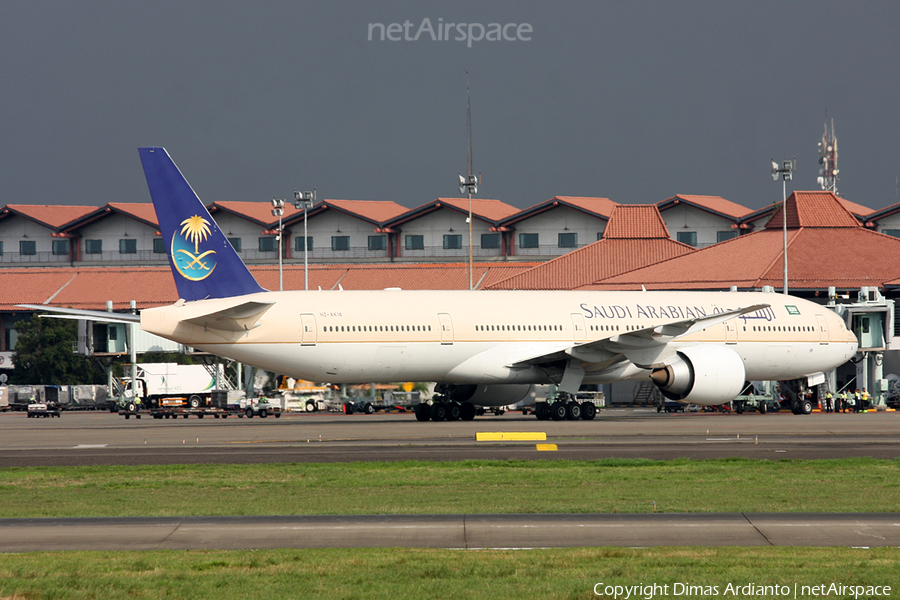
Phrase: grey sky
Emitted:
{"points": [[635, 101]]}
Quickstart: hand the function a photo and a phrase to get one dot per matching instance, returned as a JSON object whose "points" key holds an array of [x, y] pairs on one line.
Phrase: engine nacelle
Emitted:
{"points": [[702, 375], [486, 395]]}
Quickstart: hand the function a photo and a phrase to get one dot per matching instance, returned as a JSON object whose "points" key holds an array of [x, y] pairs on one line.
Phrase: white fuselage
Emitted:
{"points": [[484, 336]]}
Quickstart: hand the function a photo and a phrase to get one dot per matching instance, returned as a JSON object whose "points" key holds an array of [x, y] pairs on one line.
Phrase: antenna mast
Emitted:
{"points": [[828, 155], [469, 183]]}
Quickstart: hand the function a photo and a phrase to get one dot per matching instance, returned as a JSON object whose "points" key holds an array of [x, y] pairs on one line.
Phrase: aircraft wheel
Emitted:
{"points": [[453, 411], [542, 411], [438, 411], [467, 411], [763, 407], [804, 407], [558, 411], [573, 411], [423, 412], [588, 411], [739, 408]]}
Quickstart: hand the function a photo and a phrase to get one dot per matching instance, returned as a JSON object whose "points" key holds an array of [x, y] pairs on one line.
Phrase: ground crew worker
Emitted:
{"points": [[866, 400], [829, 402], [857, 400]]}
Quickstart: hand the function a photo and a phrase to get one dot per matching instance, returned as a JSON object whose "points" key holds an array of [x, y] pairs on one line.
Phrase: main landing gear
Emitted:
{"points": [[565, 408], [446, 410]]}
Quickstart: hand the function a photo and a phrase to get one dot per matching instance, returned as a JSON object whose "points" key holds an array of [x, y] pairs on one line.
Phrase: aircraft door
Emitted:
{"points": [[446, 325], [731, 332], [307, 329], [823, 330], [578, 327]]}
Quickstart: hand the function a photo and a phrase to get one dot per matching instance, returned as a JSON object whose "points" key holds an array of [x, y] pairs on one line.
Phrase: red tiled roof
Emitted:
{"points": [[714, 203], [49, 215], [636, 221], [813, 209], [87, 287], [91, 287], [377, 211], [492, 210], [261, 212], [144, 211], [819, 255], [599, 206], [635, 237], [855, 209]]}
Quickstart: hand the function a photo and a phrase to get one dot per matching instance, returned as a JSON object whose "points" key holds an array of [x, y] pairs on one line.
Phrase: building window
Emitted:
{"points": [[600, 235], [235, 243], [377, 242], [415, 242], [298, 244], [891, 232], [687, 237], [28, 247], [1, 253], [267, 244], [568, 240], [128, 246], [528, 240], [721, 236], [340, 243], [159, 247], [452, 242], [60, 247], [93, 246], [490, 240]]}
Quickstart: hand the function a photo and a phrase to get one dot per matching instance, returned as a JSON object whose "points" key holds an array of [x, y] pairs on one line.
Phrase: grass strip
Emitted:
{"points": [[393, 574], [602, 486]]}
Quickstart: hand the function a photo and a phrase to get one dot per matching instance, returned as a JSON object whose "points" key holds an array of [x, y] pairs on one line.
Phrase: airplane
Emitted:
{"points": [[482, 348]]}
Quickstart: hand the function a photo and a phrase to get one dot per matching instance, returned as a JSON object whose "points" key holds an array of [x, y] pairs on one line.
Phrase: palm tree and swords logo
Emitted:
{"points": [[194, 265]]}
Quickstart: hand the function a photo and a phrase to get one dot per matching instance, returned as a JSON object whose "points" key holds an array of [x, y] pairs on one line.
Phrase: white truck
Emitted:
{"points": [[169, 390]]}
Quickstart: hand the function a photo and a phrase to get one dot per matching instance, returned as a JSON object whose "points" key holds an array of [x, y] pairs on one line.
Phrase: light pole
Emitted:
{"points": [[305, 200], [469, 184], [278, 211], [786, 171]]}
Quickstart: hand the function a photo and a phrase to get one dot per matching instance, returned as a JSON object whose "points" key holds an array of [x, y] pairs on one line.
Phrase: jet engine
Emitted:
{"points": [[702, 375], [485, 395]]}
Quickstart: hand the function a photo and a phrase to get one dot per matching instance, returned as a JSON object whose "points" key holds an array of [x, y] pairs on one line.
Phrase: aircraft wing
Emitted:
{"points": [[643, 347], [101, 316]]}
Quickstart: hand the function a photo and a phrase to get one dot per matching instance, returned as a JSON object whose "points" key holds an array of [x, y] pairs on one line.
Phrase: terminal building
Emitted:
{"points": [[83, 257]]}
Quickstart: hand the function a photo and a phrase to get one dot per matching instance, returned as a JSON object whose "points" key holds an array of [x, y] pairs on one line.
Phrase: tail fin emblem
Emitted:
{"points": [[195, 265]]}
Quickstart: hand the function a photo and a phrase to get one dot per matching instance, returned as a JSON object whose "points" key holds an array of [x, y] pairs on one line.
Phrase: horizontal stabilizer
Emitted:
{"points": [[242, 317], [100, 316]]}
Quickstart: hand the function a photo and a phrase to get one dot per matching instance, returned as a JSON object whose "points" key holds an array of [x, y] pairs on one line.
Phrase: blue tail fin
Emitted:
{"points": [[203, 262]]}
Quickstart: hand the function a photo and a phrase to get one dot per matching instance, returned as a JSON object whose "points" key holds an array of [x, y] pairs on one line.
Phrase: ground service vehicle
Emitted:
{"points": [[170, 389], [41, 409]]}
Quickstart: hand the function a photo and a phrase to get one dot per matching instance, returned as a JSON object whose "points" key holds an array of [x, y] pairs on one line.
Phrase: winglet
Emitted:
{"points": [[203, 262]]}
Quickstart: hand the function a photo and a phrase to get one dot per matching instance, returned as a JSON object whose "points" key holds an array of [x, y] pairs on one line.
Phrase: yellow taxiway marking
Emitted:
{"points": [[551, 447], [510, 436]]}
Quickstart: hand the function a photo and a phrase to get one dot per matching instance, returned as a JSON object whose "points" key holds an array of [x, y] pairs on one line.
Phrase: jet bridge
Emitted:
{"points": [[871, 318]]}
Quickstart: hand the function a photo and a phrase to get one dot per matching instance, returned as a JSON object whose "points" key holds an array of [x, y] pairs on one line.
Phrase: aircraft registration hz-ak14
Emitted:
{"points": [[483, 348]]}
